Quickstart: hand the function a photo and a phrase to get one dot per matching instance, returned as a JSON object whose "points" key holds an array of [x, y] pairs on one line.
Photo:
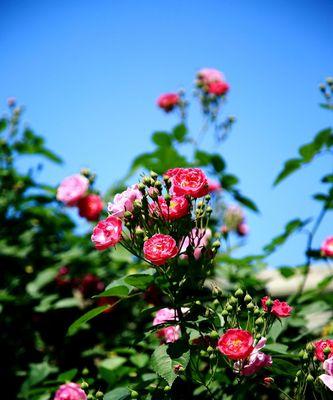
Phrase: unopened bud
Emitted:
{"points": [[269, 302], [139, 232], [329, 80], [310, 378], [203, 353], [256, 310], [153, 174], [212, 356], [305, 356], [310, 347], [250, 306], [224, 313], [158, 185], [209, 210], [200, 204], [134, 394], [85, 371], [229, 307], [322, 87], [247, 298], [299, 373], [167, 388], [327, 351], [207, 197], [142, 187], [214, 335], [84, 385], [233, 300], [167, 198], [137, 204], [198, 303], [99, 394], [146, 180], [216, 244], [259, 321], [239, 293], [127, 214]]}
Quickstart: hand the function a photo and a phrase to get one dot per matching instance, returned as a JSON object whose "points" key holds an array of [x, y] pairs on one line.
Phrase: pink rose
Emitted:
{"points": [[159, 249], [70, 391], [124, 201], [72, 189], [177, 208], [170, 333], [327, 247], [256, 360], [190, 181], [198, 239], [168, 101], [208, 75], [90, 207], [218, 88], [107, 233], [327, 378], [280, 309]]}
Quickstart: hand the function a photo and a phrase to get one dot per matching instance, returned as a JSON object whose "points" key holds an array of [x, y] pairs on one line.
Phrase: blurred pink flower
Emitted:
{"points": [[72, 189], [170, 333], [327, 378], [208, 75], [70, 391], [198, 238], [214, 186], [327, 247]]}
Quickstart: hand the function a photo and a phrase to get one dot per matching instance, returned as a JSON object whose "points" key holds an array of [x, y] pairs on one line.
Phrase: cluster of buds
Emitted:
{"points": [[326, 88], [75, 191], [234, 221]]}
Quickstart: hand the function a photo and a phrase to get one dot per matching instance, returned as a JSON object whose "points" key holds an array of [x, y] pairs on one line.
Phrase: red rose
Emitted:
{"points": [[178, 207], [107, 233], [172, 172], [190, 181], [327, 247], [159, 249], [236, 344], [218, 88], [168, 101], [263, 303], [281, 309], [319, 349], [90, 207]]}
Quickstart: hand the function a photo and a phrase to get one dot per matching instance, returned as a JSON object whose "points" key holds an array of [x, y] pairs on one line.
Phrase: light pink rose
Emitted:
{"points": [[124, 201], [198, 239], [208, 75], [256, 360], [70, 391], [72, 189], [327, 378], [170, 333]]}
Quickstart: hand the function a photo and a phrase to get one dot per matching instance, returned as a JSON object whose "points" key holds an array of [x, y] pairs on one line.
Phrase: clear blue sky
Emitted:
{"points": [[89, 73]]}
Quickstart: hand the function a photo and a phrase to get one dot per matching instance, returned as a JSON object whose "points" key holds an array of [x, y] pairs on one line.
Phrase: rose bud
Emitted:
{"points": [[107, 233], [72, 189], [90, 207], [327, 247]]}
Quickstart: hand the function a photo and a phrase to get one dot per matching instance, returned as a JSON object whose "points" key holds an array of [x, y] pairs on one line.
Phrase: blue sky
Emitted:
{"points": [[89, 73]]}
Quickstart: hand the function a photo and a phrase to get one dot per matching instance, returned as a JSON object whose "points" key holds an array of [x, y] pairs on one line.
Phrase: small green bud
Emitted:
{"points": [[207, 197], [256, 311], [301, 353], [141, 187], [258, 336], [84, 385], [203, 353], [327, 351], [127, 214], [239, 293], [322, 87], [153, 174], [99, 394], [139, 232], [209, 210], [296, 380], [299, 373], [146, 180], [216, 303], [134, 394], [167, 197], [158, 185], [214, 335], [310, 347], [210, 349], [216, 244], [259, 321], [269, 302], [329, 80], [137, 204], [310, 378], [229, 307], [305, 356], [224, 313], [85, 371], [200, 204], [90, 397], [247, 298], [198, 303], [233, 300], [167, 388], [212, 356], [250, 306]]}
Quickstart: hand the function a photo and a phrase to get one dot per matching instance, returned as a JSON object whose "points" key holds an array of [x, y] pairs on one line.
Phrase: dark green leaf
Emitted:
{"points": [[117, 394], [180, 132], [290, 166], [3, 124], [140, 281], [245, 201], [218, 163], [228, 181], [86, 317], [162, 138]]}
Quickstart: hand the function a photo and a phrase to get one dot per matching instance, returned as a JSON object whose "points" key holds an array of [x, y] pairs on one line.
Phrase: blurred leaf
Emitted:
{"points": [[287, 272], [140, 281], [245, 201], [327, 178], [218, 162], [42, 279], [85, 318], [228, 181], [3, 124], [290, 166], [179, 132], [139, 359], [67, 376], [162, 138], [117, 394]]}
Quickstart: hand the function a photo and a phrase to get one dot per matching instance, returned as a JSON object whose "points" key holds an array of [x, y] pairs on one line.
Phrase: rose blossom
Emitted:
{"points": [[198, 238], [190, 181], [90, 207], [279, 308], [107, 233], [213, 186], [72, 189], [236, 344], [208, 75], [160, 248], [217, 88], [327, 378], [327, 247], [320, 346], [170, 333], [168, 101], [124, 201], [256, 361], [177, 208], [70, 391]]}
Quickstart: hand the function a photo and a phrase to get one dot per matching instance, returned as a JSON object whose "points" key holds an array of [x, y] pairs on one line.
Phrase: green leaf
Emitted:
{"points": [[116, 291], [67, 375], [283, 367], [139, 359], [287, 272], [308, 151], [162, 138], [3, 124], [245, 201], [140, 281], [117, 394], [327, 178], [85, 318], [228, 181], [179, 132], [163, 364], [202, 158], [290, 166], [41, 280], [218, 163]]}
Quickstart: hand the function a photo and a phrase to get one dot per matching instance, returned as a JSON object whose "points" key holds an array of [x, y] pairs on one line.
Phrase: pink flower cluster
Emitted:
{"points": [[280, 309], [212, 82], [170, 333], [124, 201], [73, 192], [70, 391]]}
